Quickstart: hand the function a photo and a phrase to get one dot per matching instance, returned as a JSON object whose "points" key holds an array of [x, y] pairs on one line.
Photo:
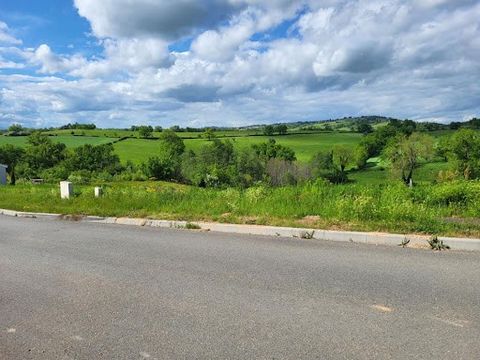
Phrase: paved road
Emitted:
{"points": [[85, 291]]}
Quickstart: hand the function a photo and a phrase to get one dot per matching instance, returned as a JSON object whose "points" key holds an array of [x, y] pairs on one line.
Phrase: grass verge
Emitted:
{"points": [[450, 209]]}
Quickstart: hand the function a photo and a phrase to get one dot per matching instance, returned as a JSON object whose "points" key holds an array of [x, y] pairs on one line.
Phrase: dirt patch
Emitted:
{"points": [[72, 217], [467, 221], [309, 220]]}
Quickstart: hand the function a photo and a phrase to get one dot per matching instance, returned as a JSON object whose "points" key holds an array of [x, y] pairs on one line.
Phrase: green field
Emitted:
{"points": [[119, 133], [304, 145], [68, 140]]}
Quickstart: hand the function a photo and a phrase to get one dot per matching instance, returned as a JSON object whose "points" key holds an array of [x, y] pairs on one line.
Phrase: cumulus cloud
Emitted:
{"points": [[165, 18], [254, 61]]}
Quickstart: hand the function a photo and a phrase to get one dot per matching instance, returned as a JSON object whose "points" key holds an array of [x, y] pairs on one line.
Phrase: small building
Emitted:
{"points": [[3, 174]]}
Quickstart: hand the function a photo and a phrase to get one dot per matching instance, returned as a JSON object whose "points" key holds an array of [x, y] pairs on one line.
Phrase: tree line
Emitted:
{"points": [[220, 163]]}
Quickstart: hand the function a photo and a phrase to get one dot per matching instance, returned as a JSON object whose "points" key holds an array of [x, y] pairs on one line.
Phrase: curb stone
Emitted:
{"points": [[416, 241]]}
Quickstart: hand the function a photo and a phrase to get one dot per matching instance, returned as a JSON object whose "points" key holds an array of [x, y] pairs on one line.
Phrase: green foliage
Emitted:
{"points": [[209, 134], [361, 157], [322, 164], [145, 131], [172, 142], [281, 129], [42, 153], [271, 150], [404, 153], [364, 127], [465, 148], [268, 130], [11, 156], [94, 159]]}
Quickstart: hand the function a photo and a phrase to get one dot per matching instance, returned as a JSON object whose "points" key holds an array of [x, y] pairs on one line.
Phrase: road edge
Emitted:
{"points": [[373, 238]]}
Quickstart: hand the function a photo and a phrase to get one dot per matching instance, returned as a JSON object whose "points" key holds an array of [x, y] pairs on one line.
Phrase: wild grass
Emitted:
{"points": [[442, 209]]}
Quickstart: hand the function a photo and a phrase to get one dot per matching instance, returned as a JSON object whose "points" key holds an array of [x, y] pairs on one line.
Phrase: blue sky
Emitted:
{"points": [[236, 62]]}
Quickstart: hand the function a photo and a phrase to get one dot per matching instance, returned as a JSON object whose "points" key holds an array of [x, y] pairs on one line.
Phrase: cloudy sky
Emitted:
{"points": [[237, 62]]}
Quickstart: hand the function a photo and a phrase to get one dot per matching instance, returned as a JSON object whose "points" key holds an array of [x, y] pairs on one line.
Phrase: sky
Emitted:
{"points": [[118, 63]]}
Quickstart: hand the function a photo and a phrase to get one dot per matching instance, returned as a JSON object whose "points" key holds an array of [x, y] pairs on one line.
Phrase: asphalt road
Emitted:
{"points": [[85, 291]]}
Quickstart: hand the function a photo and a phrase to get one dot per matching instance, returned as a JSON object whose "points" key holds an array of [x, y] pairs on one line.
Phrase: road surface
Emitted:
{"points": [[89, 291]]}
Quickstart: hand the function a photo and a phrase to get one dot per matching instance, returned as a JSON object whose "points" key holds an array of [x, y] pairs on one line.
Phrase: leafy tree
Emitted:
{"points": [[217, 163], [209, 134], [161, 167], [145, 131], [361, 157], [250, 168], [405, 152], [94, 158], [15, 128], [454, 125], [364, 128], [281, 129], [407, 127], [268, 130], [42, 153], [465, 147], [172, 142], [158, 129], [342, 157], [321, 164], [271, 150], [442, 148], [11, 155]]}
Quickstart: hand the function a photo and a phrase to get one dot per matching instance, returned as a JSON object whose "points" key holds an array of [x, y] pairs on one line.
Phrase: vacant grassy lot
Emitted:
{"points": [[444, 209]]}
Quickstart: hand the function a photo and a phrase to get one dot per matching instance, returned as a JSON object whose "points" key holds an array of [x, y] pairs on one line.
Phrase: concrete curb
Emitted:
{"points": [[415, 241]]}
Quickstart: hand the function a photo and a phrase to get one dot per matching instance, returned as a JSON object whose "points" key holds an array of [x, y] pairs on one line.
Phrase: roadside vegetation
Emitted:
{"points": [[380, 176]]}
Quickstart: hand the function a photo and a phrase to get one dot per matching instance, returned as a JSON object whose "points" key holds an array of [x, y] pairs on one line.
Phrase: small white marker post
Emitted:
{"points": [[98, 192], [66, 189]]}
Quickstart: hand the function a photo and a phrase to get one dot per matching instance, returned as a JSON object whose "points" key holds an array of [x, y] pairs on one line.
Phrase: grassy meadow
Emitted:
{"points": [[304, 145], [443, 209], [69, 140]]}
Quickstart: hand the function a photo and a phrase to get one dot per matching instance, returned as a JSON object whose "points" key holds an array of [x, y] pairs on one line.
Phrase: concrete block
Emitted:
{"points": [[66, 189], [130, 221], [98, 191]]}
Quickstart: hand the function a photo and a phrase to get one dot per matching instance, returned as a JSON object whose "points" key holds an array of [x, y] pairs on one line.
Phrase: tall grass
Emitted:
{"points": [[444, 209]]}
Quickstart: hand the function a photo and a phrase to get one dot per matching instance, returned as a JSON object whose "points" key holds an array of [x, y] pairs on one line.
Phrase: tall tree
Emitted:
{"points": [[465, 148], [404, 153]]}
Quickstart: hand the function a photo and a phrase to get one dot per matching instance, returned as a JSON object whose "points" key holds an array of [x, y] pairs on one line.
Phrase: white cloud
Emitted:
{"points": [[415, 59], [6, 36]]}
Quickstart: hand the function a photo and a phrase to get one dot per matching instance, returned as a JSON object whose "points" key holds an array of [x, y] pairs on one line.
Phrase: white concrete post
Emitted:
{"points": [[3, 174], [66, 189], [98, 192]]}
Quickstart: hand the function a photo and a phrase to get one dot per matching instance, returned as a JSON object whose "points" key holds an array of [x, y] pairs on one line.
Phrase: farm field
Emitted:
{"points": [[68, 140], [119, 133], [304, 145]]}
